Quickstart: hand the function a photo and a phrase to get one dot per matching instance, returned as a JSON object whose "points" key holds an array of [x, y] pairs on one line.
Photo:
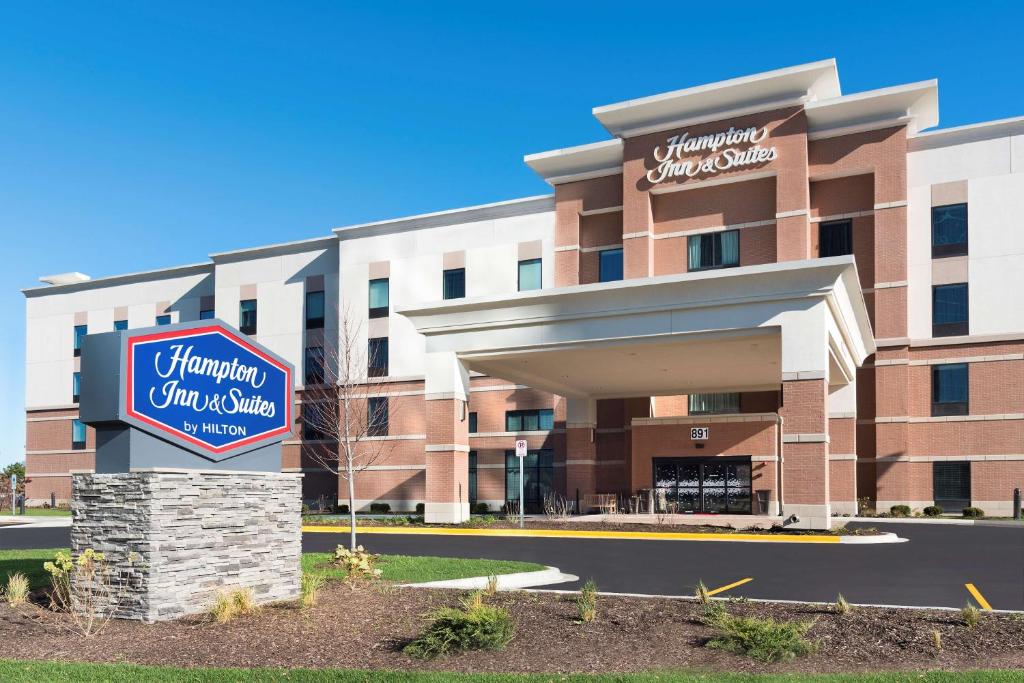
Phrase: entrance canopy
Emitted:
{"points": [[746, 328]]}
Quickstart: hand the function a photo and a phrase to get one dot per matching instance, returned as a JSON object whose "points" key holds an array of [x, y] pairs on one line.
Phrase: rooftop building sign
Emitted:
{"points": [[733, 148]]}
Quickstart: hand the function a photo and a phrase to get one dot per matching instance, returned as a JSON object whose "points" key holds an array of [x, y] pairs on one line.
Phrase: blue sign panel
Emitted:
{"points": [[209, 387]]}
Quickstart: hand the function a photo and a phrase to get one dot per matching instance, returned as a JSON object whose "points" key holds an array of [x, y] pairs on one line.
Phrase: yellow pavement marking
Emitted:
{"points": [[571, 533], [731, 585], [982, 602]]}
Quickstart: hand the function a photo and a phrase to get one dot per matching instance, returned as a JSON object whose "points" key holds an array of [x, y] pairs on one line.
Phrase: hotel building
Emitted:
{"points": [[758, 296]]}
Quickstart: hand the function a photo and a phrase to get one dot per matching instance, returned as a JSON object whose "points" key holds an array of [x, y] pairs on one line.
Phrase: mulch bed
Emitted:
{"points": [[367, 627]]}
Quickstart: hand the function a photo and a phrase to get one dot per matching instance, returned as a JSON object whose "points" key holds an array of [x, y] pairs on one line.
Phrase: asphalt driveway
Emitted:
{"points": [[932, 569]]}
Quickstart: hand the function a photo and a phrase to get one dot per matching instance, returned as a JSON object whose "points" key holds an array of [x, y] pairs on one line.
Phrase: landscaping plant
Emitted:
{"points": [[973, 512], [310, 586], [842, 606], [900, 510], [85, 589], [971, 615], [232, 603], [937, 641], [702, 594], [474, 626], [492, 586], [932, 511], [586, 602], [358, 564], [16, 592], [763, 639]]}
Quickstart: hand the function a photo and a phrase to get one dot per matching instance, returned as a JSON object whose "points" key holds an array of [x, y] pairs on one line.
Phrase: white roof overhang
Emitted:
{"points": [[915, 105], [737, 329]]}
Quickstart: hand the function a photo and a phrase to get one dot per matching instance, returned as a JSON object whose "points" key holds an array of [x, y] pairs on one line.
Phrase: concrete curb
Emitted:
{"points": [[951, 521], [506, 582], [886, 537], [26, 522]]}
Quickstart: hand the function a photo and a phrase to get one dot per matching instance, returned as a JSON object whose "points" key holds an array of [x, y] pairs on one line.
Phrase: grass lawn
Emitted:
{"points": [[125, 673], [399, 568], [39, 512], [408, 569]]}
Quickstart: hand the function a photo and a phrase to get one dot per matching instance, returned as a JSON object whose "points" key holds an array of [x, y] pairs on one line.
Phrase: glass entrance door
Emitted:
{"points": [[952, 485], [712, 485]]}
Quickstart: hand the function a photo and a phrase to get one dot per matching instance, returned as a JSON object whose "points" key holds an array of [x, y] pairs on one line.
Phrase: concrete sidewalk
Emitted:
{"points": [[25, 521]]}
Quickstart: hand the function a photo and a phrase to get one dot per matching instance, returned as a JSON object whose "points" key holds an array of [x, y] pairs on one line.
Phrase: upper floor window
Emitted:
{"points": [[950, 389], [377, 416], [609, 265], [163, 320], [120, 325], [949, 230], [455, 283], [835, 238], [314, 361], [377, 357], [80, 332], [206, 314], [76, 386], [314, 310], [530, 274], [707, 404], [77, 435], [949, 310], [529, 420], [379, 298], [713, 250], [247, 316], [472, 423]]}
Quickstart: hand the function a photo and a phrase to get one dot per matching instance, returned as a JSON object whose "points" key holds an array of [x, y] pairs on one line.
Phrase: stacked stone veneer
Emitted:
{"points": [[176, 538]]}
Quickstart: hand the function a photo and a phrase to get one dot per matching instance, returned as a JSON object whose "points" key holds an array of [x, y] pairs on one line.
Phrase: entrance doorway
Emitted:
{"points": [[712, 485], [952, 485]]}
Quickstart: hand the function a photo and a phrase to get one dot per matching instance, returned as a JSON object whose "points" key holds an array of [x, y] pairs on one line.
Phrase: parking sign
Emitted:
{"points": [[521, 448]]}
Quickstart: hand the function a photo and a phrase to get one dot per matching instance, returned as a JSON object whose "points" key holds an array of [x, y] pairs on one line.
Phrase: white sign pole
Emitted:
{"points": [[14, 493], [521, 454]]}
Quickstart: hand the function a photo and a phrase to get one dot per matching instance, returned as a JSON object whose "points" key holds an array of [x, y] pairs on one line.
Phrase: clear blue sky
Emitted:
{"points": [[139, 135]]}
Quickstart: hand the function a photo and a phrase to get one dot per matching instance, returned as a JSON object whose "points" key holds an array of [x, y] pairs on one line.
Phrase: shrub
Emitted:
{"points": [[421, 508], [974, 512], [701, 593], [900, 510], [343, 509], [492, 586], [475, 626], [380, 508], [358, 564], [841, 606], [937, 641], [16, 592], [481, 509], [763, 639], [85, 589], [310, 586], [305, 508], [233, 603], [586, 602], [932, 511], [971, 615]]}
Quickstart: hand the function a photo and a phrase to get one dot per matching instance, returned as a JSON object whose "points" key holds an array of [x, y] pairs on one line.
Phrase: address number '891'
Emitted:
{"points": [[700, 433]]}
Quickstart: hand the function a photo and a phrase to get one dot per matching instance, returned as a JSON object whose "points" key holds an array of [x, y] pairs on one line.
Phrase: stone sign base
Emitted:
{"points": [[175, 538]]}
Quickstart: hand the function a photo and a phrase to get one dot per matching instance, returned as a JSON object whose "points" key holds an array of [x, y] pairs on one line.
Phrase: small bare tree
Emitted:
{"points": [[350, 408]]}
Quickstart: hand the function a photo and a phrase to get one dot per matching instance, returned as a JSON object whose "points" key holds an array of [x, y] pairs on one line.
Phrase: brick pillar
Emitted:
{"points": [[805, 469], [842, 448], [447, 448], [637, 216], [580, 448]]}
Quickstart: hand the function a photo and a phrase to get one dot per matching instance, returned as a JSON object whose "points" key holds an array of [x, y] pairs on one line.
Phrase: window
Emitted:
{"points": [[705, 404], [314, 310], [951, 485], [76, 386], [314, 362], [529, 274], [950, 389], [713, 250], [835, 238], [163, 320], [455, 283], [206, 314], [311, 430], [609, 265], [247, 316], [377, 416], [472, 478], [377, 357], [80, 332], [529, 420], [77, 435], [472, 423], [949, 310], [120, 325], [379, 298], [538, 478], [949, 230]]}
